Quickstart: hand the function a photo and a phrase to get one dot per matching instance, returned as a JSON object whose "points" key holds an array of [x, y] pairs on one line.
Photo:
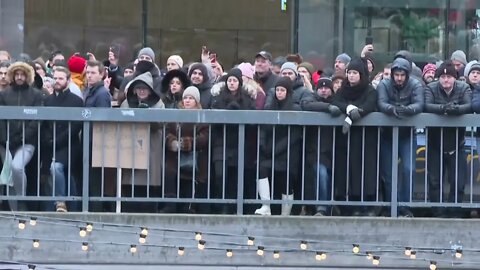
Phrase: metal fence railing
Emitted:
{"points": [[211, 161]]}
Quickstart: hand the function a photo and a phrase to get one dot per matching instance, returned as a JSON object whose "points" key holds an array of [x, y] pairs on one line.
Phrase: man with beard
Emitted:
{"points": [[63, 157], [263, 71], [3, 75], [402, 96], [21, 139], [428, 73], [198, 74]]}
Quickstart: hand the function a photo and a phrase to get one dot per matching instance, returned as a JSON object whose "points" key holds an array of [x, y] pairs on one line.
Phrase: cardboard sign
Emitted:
{"points": [[120, 145]]}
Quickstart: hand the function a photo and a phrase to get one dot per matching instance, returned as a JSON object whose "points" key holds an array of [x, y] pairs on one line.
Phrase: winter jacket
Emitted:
{"points": [[156, 159], [142, 67], [410, 95], [267, 81], [63, 136], [20, 95], [436, 101], [476, 99], [286, 151], [98, 96], [226, 101], [300, 93]]}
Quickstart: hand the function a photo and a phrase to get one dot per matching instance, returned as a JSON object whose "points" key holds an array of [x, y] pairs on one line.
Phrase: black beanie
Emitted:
{"points": [[237, 73], [359, 65], [325, 82], [447, 68], [285, 82]]}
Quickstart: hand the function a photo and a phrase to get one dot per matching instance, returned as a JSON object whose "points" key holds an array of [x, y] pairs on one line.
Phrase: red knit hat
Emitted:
{"points": [[77, 64]]}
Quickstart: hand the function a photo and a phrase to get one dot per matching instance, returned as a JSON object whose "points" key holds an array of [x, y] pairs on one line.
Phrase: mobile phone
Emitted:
{"points": [[369, 40], [213, 57]]}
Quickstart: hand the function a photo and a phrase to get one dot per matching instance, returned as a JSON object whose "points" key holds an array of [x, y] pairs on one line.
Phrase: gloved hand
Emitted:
{"points": [[334, 110], [346, 125], [401, 111], [452, 109], [174, 146], [186, 144], [355, 114]]}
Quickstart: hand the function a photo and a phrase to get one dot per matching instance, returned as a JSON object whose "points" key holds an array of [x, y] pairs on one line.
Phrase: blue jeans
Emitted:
{"points": [[323, 185], [406, 152], [58, 171]]}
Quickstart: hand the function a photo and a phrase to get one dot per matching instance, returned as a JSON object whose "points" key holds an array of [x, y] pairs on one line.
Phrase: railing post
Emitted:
{"points": [[86, 165], [241, 168], [394, 202]]}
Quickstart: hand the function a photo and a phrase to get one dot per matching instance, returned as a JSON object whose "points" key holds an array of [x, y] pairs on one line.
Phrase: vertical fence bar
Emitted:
{"points": [[86, 165], [394, 203], [241, 167]]}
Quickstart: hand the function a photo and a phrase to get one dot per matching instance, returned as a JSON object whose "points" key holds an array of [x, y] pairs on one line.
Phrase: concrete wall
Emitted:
{"points": [[109, 245]]}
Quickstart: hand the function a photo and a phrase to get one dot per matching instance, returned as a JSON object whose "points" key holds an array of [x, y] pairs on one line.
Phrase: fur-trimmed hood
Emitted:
{"points": [[30, 73], [250, 88]]}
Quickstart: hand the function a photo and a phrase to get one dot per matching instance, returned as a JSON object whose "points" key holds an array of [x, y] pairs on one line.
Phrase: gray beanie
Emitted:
{"points": [[472, 65], [460, 56], [192, 91], [289, 65], [344, 58], [147, 51]]}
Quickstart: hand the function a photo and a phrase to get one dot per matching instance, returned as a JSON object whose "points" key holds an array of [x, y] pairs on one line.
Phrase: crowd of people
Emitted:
{"points": [[345, 157]]}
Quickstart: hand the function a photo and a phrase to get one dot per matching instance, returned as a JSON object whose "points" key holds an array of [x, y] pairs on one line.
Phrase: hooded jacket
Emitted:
{"points": [[156, 136], [142, 67], [132, 101], [204, 87], [411, 94], [20, 95]]}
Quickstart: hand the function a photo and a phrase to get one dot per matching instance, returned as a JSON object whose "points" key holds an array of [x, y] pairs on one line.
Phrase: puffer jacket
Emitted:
{"points": [[411, 94]]}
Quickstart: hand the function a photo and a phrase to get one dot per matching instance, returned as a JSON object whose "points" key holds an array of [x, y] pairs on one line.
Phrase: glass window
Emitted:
{"points": [[234, 30]]}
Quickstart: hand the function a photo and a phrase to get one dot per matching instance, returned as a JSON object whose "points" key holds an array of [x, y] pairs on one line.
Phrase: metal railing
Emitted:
{"points": [[133, 144]]}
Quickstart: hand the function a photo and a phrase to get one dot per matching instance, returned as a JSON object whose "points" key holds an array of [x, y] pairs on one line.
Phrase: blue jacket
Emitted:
{"points": [[98, 96]]}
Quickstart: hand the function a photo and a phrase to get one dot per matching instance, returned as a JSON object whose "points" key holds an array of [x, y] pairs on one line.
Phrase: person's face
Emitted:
{"points": [[145, 57], [337, 84], [304, 73], [262, 65], [280, 92], [386, 73], [61, 81], [94, 75], [48, 86], [127, 72], [340, 66], [290, 74], [429, 76], [458, 65], [447, 81], [232, 83], [197, 77], [353, 77], [3, 77], [474, 77], [58, 57], [276, 69], [20, 77], [399, 76], [324, 92], [189, 102], [171, 65], [175, 85], [39, 70], [142, 93], [369, 66]]}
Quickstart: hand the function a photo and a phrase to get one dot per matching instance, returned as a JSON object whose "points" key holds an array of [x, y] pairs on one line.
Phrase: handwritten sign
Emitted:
{"points": [[121, 145]]}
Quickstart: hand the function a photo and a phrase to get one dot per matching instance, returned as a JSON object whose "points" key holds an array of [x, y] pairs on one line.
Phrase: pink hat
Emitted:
{"points": [[247, 69], [429, 67]]}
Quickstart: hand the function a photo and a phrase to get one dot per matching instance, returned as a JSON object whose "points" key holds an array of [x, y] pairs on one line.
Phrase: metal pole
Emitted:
{"points": [[394, 172], [86, 165], [241, 168]]}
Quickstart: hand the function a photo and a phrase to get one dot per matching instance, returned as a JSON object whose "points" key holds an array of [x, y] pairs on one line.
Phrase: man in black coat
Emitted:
{"points": [[447, 96], [58, 133]]}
